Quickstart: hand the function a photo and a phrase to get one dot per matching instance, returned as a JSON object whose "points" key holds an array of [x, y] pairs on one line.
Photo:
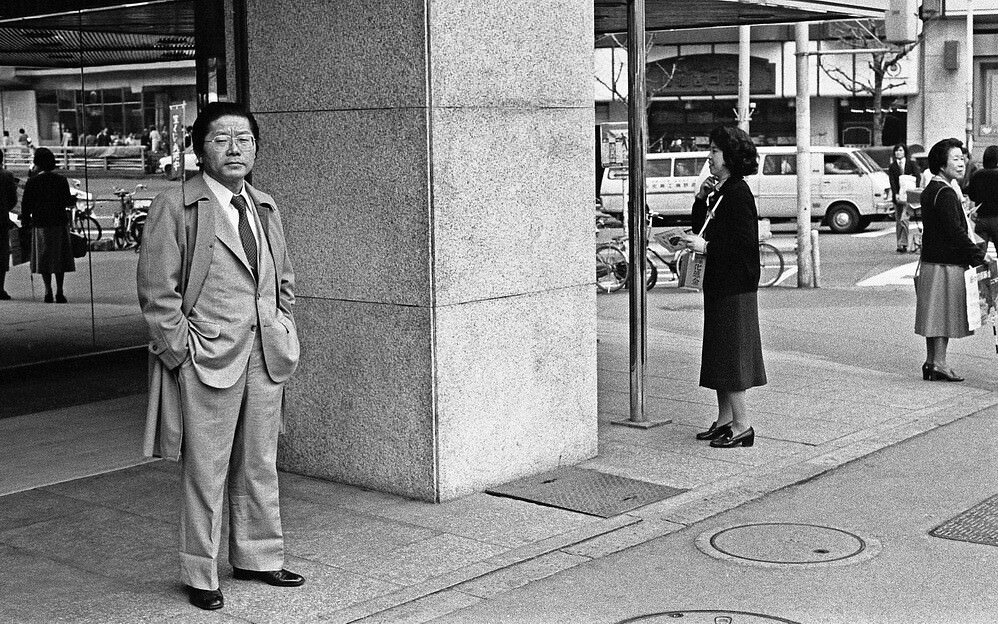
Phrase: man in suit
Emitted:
{"points": [[902, 165], [216, 288]]}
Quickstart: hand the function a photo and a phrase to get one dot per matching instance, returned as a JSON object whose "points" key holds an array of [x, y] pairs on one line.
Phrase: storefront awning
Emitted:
{"points": [[74, 33], [611, 15]]}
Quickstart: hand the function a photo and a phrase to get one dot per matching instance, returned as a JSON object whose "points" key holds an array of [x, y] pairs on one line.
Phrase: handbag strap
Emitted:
{"points": [[710, 215]]}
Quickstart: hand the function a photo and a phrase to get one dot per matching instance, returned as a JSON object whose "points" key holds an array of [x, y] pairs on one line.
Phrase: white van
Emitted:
{"points": [[848, 188]]}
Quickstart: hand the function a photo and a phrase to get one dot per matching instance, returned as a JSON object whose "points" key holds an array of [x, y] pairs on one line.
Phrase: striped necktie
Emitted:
{"points": [[245, 232]]}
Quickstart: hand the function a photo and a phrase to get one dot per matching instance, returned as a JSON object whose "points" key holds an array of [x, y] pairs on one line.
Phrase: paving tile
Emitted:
{"points": [[424, 609], [34, 506], [105, 542], [335, 535], [491, 519], [424, 559], [326, 589], [654, 465], [72, 595], [332, 493], [681, 440], [138, 490], [506, 579]]}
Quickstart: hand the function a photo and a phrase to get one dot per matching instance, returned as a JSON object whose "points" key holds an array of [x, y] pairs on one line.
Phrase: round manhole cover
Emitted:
{"points": [[787, 544], [706, 617]]}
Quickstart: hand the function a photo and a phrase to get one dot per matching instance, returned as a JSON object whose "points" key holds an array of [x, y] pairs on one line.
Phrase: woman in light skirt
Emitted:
{"points": [[947, 251]]}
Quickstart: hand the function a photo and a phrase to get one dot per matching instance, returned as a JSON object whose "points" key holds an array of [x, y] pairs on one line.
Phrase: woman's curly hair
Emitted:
{"points": [[740, 155]]}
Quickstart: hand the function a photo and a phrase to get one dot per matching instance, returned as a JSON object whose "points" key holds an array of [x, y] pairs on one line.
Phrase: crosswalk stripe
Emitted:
{"points": [[898, 275]]}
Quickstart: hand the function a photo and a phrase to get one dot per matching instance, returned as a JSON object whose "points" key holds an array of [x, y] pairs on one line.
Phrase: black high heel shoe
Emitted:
{"points": [[745, 438], [938, 374], [714, 432]]}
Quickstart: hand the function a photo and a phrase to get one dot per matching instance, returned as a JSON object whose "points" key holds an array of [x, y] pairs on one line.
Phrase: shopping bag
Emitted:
{"points": [[982, 291], [691, 269], [20, 245]]}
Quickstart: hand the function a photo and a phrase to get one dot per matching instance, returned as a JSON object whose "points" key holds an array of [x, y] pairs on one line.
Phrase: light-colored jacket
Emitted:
{"points": [[184, 227]]}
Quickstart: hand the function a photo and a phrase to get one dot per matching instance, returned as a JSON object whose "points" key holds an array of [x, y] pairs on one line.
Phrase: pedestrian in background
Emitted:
{"points": [[216, 287], [731, 358], [8, 200], [983, 191], [947, 251], [43, 208], [902, 165]]}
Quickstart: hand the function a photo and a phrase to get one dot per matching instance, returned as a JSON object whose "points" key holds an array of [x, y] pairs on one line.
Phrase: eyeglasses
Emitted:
{"points": [[222, 141]]}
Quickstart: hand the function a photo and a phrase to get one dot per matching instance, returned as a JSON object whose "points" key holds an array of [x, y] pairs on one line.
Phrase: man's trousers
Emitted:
{"points": [[230, 436]]}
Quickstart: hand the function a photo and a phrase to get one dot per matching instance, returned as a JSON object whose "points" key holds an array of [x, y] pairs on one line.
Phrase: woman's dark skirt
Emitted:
{"points": [[732, 347], [51, 250]]}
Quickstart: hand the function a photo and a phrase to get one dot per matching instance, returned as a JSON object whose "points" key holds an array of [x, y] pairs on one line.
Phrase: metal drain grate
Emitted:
{"points": [[585, 491], [979, 525]]}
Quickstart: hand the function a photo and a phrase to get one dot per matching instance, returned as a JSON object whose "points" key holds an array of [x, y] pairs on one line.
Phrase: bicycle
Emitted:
{"points": [[771, 264], [613, 267], [81, 218], [131, 219]]}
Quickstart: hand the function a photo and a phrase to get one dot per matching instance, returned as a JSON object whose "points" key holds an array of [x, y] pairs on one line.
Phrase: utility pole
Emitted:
{"points": [[970, 77], [744, 112], [804, 272]]}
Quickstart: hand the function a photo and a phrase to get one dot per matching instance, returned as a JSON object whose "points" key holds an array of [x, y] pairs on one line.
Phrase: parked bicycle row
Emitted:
{"points": [[613, 268]]}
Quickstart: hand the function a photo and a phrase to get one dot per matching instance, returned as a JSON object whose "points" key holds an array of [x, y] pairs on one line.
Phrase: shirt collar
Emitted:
{"points": [[223, 194]]}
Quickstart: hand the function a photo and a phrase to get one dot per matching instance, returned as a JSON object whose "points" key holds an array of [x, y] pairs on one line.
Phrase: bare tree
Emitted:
{"points": [[617, 71], [869, 34]]}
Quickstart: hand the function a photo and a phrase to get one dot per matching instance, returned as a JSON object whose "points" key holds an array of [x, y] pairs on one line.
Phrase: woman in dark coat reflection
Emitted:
{"points": [[43, 206], [731, 360]]}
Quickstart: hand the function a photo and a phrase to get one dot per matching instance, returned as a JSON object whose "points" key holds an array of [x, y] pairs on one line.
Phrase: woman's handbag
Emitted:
{"points": [[79, 244], [20, 245], [693, 265]]}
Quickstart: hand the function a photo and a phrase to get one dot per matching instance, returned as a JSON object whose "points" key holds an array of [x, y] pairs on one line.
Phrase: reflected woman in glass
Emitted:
{"points": [[43, 207]]}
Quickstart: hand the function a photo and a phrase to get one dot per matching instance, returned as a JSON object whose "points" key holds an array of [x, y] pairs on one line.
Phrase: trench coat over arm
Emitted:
{"points": [[182, 262]]}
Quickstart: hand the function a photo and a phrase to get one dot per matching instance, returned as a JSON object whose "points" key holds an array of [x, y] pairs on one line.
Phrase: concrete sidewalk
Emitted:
{"points": [[102, 548]]}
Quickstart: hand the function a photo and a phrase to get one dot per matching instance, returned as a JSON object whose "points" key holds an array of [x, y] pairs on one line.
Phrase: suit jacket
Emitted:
{"points": [[187, 241], [733, 237]]}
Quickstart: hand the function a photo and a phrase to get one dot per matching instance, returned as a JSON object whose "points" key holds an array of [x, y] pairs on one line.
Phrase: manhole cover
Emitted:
{"points": [[707, 617], [787, 544]]}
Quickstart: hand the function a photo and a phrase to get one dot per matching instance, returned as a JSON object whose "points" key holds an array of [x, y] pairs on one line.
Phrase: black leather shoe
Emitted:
{"points": [[925, 371], [48, 298], [902, 250], [4, 296], [60, 298], [208, 599], [278, 578], [745, 438], [714, 432], [938, 374]]}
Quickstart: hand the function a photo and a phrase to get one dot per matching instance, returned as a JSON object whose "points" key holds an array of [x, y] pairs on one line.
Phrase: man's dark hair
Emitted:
{"points": [[44, 159], [903, 147], [214, 111], [991, 157], [740, 155], [939, 153]]}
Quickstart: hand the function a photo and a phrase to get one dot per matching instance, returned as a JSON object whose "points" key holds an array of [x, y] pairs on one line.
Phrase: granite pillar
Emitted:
{"points": [[433, 164]]}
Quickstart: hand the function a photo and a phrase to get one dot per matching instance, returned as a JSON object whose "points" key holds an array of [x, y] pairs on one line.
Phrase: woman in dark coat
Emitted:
{"points": [[43, 206], [947, 251], [901, 164], [731, 360]]}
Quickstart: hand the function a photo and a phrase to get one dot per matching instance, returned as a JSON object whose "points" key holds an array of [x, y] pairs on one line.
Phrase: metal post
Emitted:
{"points": [[637, 125], [744, 55], [804, 273], [970, 78]]}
